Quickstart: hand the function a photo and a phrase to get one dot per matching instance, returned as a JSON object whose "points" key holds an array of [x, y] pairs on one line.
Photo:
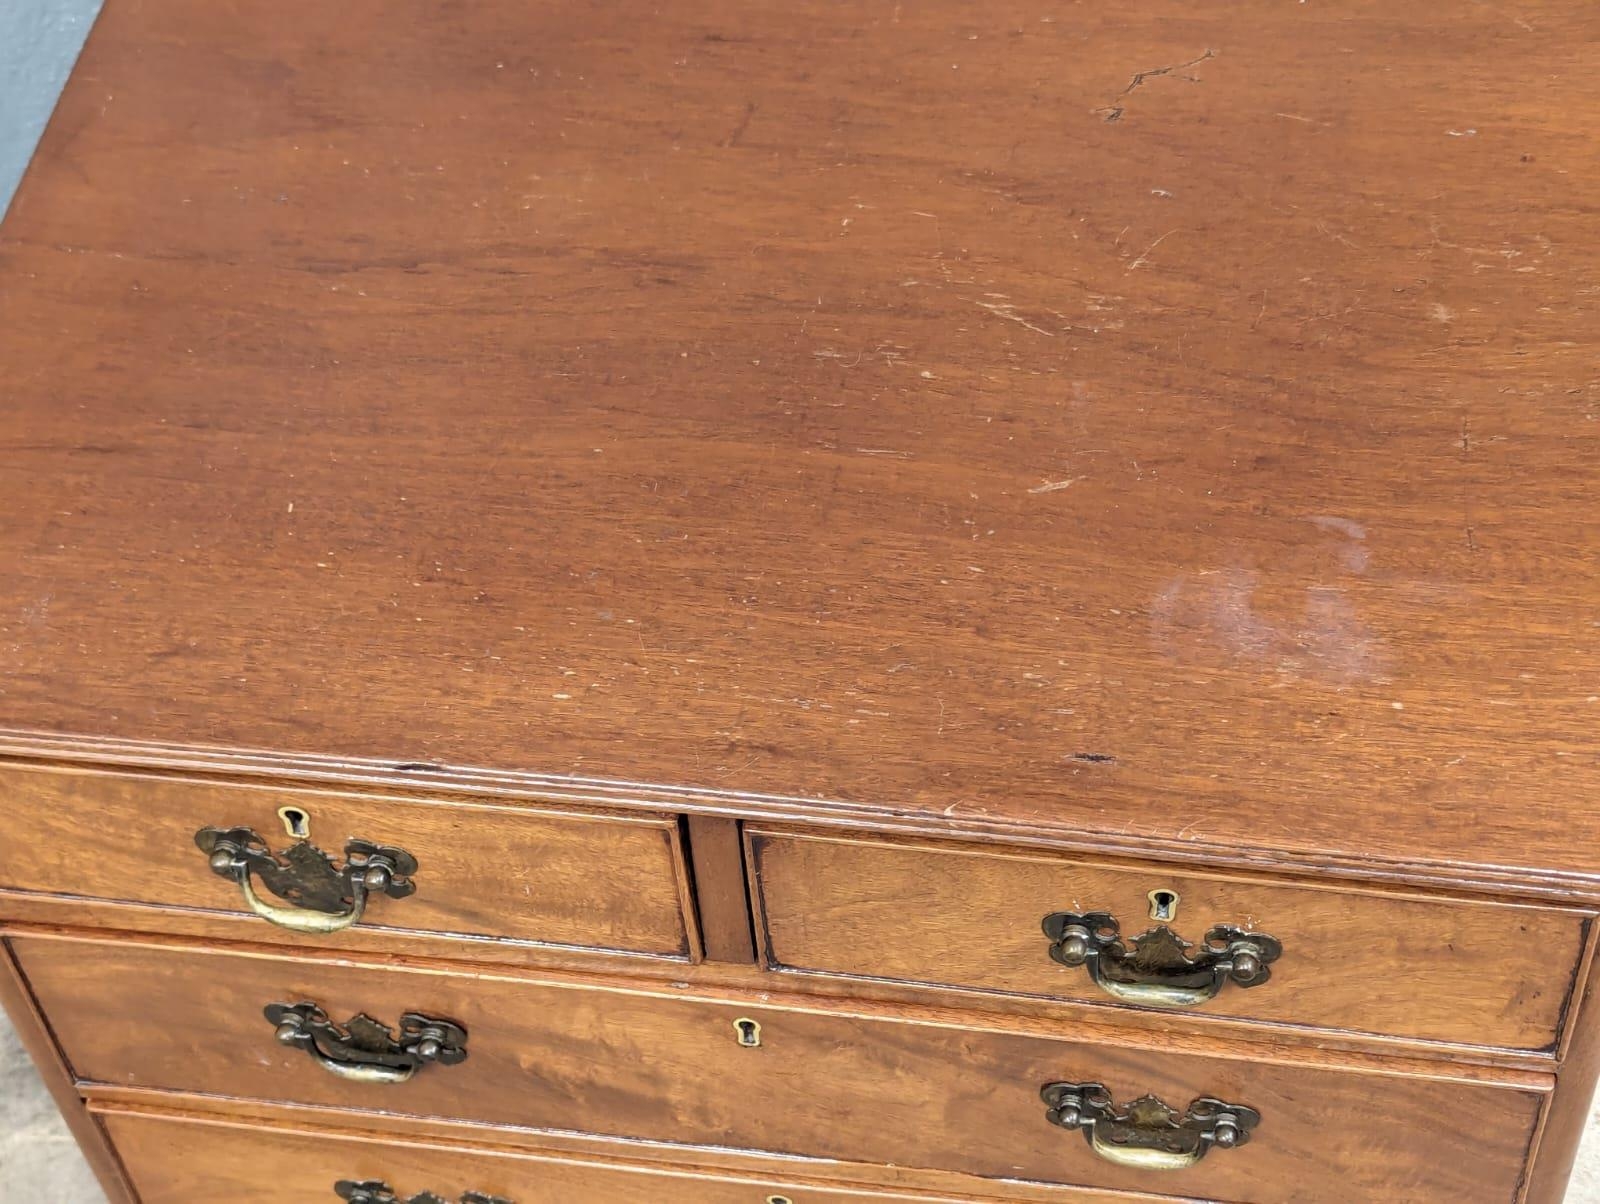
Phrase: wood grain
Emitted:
{"points": [[1567, 1114], [1156, 432], [178, 1159], [942, 1097], [1462, 971], [458, 1136], [34, 915], [710, 982], [722, 903], [1148, 421], [488, 871]]}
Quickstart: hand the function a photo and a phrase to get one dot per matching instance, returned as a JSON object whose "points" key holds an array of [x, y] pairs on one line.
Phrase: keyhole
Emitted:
{"points": [[1163, 904], [749, 1033], [779, 1200], [295, 822]]}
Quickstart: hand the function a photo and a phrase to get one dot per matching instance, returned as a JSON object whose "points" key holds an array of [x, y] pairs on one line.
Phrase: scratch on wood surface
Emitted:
{"points": [[1114, 112], [1009, 313], [744, 124], [1142, 258]]}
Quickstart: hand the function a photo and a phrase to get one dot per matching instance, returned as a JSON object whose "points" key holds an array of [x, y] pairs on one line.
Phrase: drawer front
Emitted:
{"points": [[181, 1160], [482, 870], [1455, 970], [647, 1065]]}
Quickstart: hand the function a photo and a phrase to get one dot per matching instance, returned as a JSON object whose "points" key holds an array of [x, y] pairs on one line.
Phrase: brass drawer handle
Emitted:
{"points": [[376, 1191], [321, 897], [1158, 970], [364, 1050], [1147, 1134]]}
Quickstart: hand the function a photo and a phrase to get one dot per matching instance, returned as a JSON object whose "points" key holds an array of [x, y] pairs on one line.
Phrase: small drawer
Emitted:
{"points": [[471, 870], [662, 1065], [178, 1160], [1462, 971]]}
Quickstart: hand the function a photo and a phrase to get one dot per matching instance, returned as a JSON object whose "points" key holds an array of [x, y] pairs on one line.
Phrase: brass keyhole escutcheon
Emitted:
{"points": [[1164, 905], [779, 1200], [295, 822], [749, 1032]]}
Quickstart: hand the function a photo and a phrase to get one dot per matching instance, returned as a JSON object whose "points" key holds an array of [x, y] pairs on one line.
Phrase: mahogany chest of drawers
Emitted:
{"points": [[803, 604]]}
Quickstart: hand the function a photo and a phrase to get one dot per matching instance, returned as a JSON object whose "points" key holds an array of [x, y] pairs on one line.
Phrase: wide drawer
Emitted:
{"points": [[1432, 968], [483, 871], [178, 1160], [868, 1086]]}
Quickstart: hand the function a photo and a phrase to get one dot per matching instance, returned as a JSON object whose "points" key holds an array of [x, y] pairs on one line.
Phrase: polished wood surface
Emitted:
{"points": [[488, 871], [1148, 1028], [1567, 1117], [1145, 421], [1427, 968], [995, 460], [740, 1165], [722, 902], [181, 1159], [650, 1066]]}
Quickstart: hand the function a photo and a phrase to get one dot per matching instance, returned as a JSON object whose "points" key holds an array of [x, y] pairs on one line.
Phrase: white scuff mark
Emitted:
{"points": [[1009, 312], [1151, 247], [1344, 526], [1057, 486]]}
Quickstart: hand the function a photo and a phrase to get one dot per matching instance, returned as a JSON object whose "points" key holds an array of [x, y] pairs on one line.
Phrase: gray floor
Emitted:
{"points": [[39, 1163], [38, 1160], [39, 39]]}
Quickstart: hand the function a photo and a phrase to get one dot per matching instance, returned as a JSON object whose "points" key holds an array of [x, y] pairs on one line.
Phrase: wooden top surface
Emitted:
{"points": [[1136, 421]]}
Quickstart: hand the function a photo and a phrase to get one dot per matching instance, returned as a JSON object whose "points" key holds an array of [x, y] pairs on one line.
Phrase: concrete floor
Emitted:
{"points": [[38, 1160], [40, 1165]]}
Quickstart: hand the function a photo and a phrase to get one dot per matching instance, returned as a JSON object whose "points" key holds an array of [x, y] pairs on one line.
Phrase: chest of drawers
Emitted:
{"points": [[817, 604]]}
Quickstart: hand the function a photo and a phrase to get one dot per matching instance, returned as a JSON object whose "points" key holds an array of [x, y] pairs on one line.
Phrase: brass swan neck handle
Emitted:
{"points": [[320, 897], [1147, 1134], [1159, 968], [365, 1050]]}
